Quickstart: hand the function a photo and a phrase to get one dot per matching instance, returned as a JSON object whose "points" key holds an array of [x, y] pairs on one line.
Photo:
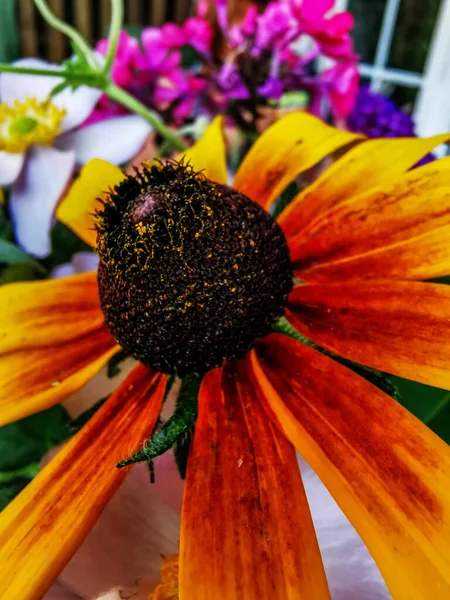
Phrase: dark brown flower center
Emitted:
{"points": [[191, 272]]}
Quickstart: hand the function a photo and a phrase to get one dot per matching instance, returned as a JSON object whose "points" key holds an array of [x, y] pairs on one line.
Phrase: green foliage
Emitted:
{"points": [[429, 404], [22, 446], [189, 57], [284, 199], [18, 272], [65, 244], [10, 254], [180, 423]]}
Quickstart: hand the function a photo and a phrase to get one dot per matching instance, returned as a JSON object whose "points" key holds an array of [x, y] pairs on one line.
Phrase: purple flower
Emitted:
{"points": [[231, 82], [375, 115], [277, 26]]}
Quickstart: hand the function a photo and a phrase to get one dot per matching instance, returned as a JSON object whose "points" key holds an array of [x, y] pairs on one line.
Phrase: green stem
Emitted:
{"points": [[88, 78], [114, 33], [28, 471], [126, 99], [67, 30]]}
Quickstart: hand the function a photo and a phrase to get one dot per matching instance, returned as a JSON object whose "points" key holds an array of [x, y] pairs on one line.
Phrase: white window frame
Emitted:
{"points": [[432, 107]]}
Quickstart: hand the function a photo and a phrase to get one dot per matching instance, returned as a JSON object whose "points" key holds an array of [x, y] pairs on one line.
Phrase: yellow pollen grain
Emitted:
{"points": [[28, 123], [168, 589], [140, 228]]}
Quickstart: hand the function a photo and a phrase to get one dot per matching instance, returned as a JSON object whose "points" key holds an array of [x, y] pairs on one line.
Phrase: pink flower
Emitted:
{"points": [[342, 81], [277, 26], [126, 58], [198, 34], [331, 33], [190, 97], [155, 50]]}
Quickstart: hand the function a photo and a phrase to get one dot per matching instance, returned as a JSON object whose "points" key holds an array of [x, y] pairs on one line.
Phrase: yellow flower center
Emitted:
{"points": [[27, 123], [168, 589]]}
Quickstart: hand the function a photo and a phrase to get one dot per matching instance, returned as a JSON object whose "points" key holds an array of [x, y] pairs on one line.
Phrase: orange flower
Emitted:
{"points": [[361, 237]]}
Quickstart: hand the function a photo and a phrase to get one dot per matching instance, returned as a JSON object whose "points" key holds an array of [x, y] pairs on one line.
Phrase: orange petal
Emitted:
{"points": [[43, 527], [394, 326], [78, 207], [209, 153], [290, 146], [370, 164], [47, 313], [388, 472], [424, 256], [246, 528], [35, 378], [416, 203]]}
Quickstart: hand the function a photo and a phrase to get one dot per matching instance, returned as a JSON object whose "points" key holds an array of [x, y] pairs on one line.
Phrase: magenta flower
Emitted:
{"points": [[277, 26], [125, 60], [270, 53], [198, 34], [342, 83]]}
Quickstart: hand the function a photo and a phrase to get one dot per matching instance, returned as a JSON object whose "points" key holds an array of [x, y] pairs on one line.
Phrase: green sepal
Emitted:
{"points": [[113, 368], [182, 420], [181, 451], [377, 378]]}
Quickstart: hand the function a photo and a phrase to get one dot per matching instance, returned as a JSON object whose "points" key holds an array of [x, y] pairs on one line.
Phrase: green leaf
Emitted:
{"points": [[26, 441], [11, 254], [19, 272], [8, 491], [181, 422], [429, 404], [22, 446], [284, 199]]}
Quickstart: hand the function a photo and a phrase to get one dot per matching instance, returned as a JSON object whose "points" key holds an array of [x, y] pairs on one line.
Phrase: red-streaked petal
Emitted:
{"points": [[48, 313], [43, 527], [370, 164], [394, 326], [246, 528], [292, 145], [209, 153], [416, 203], [388, 472], [35, 378], [78, 207], [425, 256]]}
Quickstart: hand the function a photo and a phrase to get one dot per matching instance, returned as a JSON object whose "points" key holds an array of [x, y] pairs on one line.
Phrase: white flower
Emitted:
{"points": [[44, 145]]}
